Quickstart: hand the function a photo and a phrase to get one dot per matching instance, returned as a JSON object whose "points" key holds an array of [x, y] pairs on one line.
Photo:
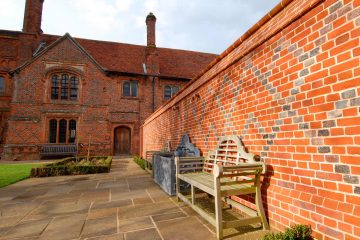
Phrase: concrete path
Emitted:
{"points": [[124, 204]]}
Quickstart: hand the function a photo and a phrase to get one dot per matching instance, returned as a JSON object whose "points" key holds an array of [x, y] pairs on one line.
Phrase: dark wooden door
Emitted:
{"points": [[122, 141]]}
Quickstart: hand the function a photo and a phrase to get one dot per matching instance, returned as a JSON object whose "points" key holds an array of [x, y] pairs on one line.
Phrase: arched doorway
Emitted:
{"points": [[122, 140]]}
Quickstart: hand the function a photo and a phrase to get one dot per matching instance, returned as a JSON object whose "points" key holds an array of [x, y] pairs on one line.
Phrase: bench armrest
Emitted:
{"points": [[240, 169]]}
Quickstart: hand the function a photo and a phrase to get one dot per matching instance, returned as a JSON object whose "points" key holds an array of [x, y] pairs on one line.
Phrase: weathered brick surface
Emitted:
{"points": [[290, 91]]}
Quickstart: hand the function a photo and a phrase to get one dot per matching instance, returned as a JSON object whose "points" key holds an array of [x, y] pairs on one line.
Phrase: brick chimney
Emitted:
{"points": [[32, 16], [150, 24], [151, 58]]}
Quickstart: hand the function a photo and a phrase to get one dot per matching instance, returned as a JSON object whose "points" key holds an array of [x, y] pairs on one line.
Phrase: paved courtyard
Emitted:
{"points": [[124, 204]]}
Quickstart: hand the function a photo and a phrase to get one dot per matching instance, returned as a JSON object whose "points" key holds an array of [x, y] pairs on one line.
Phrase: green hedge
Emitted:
{"points": [[295, 232], [72, 166], [140, 161]]}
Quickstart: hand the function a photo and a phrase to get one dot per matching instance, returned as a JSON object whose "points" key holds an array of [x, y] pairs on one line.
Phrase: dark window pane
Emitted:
{"points": [[126, 89], [167, 92], [72, 130], [134, 89], [73, 93], [64, 86], [54, 93], [64, 80], [64, 93], [174, 89], [2, 85], [54, 87], [74, 82], [62, 131], [52, 130], [54, 81]]}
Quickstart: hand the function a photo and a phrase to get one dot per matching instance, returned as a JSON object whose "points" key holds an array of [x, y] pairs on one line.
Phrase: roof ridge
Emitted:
{"points": [[97, 40]]}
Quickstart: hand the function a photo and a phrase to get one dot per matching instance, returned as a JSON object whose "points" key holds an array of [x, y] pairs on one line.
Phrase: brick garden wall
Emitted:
{"points": [[291, 89]]}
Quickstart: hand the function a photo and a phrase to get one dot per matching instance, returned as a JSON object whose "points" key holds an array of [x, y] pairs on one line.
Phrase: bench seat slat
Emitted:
{"points": [[205, 182]]}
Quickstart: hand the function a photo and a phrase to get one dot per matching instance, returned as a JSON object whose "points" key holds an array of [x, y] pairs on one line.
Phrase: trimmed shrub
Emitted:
{"points": [[139, 161], [73, 166], [295, 232]]}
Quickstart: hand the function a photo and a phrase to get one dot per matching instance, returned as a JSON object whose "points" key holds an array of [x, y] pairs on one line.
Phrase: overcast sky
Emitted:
{"points": [[199, 25]]}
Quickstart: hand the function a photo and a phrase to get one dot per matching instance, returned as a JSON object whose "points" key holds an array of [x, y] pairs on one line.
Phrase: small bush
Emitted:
{"points": [[295, 232], [139, 161], [72, 166]]}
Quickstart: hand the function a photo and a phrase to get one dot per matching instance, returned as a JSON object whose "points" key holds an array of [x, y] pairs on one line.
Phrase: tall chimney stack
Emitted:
{"points": [[150, 24], [32, 16]]}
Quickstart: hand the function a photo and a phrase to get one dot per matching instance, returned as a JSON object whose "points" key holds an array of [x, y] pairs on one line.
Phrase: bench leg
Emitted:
{"points": [[192, 195], [177, 179], [218, 209], [260, 207]]}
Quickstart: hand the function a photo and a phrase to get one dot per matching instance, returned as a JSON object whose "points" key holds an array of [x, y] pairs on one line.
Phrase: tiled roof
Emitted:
{"points": [[180, 63], [129, 58]]}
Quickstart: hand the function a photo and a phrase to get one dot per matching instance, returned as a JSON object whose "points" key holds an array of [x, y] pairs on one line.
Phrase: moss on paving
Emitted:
{"points": [[12, 173]]}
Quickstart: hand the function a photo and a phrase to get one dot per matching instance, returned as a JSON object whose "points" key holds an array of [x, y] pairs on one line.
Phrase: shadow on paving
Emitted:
{"points": [[122, 204]]}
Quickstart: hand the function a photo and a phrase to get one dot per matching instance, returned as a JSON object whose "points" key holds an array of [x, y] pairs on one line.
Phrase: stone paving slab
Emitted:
{"points": [[119, 236], [134, 224], [112, 204], [146, 210], [122, 204], [147, 234], [168, 216], [102, 212], [194, 229], [100, 226], [27, 229], [53, 209], [17, 209], [63, 228]]}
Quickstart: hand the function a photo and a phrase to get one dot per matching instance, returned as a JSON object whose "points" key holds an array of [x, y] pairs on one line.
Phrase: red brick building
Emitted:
{"points": [[59, 89]]}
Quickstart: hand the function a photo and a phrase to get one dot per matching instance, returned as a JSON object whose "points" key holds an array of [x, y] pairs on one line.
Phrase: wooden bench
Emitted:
{"points": [[48, 150], [226, 171], [149, 156]]}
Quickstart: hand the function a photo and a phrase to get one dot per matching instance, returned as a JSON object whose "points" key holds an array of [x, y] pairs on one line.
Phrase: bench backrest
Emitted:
{"points": [[58, 149], [229, 151]]}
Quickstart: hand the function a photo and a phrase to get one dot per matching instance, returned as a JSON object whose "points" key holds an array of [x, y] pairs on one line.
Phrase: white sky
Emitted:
{"points": [[199, 25]]}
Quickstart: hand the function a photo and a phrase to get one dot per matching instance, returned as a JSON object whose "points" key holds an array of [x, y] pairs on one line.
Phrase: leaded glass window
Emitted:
{"points": [[64, 87]]}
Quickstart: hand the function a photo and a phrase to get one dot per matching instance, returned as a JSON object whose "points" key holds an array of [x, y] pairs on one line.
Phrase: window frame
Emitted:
{"points": [[131, 83], [55, 134], [172, 92], [63, 85]]}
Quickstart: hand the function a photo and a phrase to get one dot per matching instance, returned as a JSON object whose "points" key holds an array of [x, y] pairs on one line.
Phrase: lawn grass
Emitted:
{"points": [[12, 173]]}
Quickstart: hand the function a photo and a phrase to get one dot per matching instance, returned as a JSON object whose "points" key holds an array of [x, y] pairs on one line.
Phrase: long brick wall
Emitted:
{"points": [[290, 88]]}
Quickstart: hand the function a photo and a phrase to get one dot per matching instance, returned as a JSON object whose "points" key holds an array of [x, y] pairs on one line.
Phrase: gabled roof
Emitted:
{"points": [[129, 58], [52, 45]]}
